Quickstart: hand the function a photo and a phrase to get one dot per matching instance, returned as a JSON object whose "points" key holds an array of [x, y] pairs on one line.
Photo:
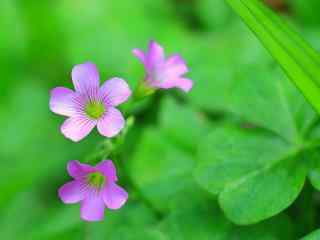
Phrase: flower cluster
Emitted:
{"points": [[90, 105]]}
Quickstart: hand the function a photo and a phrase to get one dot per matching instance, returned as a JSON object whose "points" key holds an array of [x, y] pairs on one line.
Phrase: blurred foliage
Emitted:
{"points": [[226, 137]]}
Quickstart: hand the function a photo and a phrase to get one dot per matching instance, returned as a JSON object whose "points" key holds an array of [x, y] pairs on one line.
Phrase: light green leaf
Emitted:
{"points": [[235, 46], [313, 236], [163, 161], [266, 98], [160, 169], [314, 174], [208, 223], [300, 61], [181, 124], [256, 174], [274, 188], [228, 154]]}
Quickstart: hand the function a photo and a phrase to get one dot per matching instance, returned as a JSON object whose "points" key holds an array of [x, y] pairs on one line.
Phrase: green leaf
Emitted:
{"points": [[300, 61], [160, 169], [182, 124], [204, 223], [284, 179], [241, 165], [313, 236], [229, 153], [256, 174], [235, 46], [267, 99], [164, 159], [314, 174]]}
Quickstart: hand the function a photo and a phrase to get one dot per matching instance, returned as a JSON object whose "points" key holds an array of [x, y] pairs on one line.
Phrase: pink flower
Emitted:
{"points": [[94, 187], [90, 105], [162, 72]]}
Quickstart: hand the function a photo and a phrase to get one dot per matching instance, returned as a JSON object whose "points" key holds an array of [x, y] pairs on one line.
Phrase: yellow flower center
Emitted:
{"points": [[95, 110], [96, 180]]}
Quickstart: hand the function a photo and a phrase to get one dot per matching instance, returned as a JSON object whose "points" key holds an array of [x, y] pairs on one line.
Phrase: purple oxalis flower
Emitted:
{"points": [[90, 105], [162, 72], [94, 187]]}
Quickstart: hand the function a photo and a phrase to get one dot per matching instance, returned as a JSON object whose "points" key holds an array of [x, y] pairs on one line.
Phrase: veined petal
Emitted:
{"points": [[71, 192], [61, 101], [115, 91], [108, 169], [85, 77], [111, 123], [114, 196], [92, 207], [78, 170], [77, 127]]}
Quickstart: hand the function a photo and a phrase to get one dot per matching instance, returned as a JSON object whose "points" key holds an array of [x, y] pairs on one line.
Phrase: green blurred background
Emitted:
{"points": [[40, 42]]}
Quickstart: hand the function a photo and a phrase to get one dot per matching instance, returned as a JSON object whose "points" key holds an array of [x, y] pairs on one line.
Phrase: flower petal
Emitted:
{"points": [[175, 59], [114, 196], [155, 54], [111, 123], [77, 127], [108, 169], [78, 170], [184, 83], [92, 208], [71, 192], [85, 77], [139, 54], [115, 91], [175, 66], [61, 101]]}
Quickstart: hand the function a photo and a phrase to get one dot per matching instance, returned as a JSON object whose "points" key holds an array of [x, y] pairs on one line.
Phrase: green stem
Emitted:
{"points": [[142, 91]]}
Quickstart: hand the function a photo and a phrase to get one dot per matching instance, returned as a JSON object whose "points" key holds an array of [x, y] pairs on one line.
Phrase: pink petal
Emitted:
{"points": [[77, 127], [92, 207], [61, 101], [78, 170], [139, 54], [111, 123], [184, 83], [71, 192], [108, 169], [114, 196], [115, 91], [155, 54], [85, 77], [175, 66], [175, 59]]}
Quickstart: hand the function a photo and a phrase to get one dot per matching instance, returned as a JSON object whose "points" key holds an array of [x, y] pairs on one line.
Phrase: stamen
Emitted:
{"points": [[95, 109], [96, 180]]}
